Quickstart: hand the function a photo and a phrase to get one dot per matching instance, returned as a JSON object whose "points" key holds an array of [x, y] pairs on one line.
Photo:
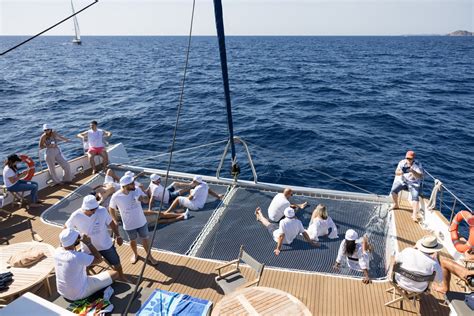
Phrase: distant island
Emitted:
{"points": [[461, 33]]}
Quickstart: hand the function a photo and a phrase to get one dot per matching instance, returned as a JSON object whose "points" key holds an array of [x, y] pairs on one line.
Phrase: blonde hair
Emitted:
{"points": [[321, 211]]}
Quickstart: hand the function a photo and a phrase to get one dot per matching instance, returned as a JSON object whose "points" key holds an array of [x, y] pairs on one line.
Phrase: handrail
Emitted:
{"points": [[237, 140], [438, 188]]}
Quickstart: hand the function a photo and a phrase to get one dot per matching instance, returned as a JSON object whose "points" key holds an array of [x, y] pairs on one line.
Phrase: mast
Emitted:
{"points": [[77, 38], [225, 78]]}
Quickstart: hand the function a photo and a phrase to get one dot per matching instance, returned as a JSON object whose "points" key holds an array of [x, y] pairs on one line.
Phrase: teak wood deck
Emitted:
{"points": [[322, 294]]}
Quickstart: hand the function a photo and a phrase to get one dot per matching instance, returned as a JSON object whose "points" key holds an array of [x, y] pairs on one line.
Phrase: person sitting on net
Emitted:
{"points": [[355, 252], [14, 183], [321, 223], [286, 231], [281, 202], [72, 281], [422, 260], [197, 197], [158, 193]]}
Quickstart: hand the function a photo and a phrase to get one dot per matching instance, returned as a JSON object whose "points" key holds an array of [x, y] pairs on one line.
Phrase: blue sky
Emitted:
{"points": [[242, 17]]}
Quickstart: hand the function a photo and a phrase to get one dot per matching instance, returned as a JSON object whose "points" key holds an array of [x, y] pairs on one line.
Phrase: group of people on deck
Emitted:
{"points": [[89, 226]]}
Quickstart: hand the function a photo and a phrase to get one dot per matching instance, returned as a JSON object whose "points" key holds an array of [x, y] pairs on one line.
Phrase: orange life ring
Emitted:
{"points": [[462, 246], [31, 167]]}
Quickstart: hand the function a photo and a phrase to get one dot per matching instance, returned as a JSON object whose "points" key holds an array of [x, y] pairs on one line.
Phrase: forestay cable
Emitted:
{"points": [[180, 105]]}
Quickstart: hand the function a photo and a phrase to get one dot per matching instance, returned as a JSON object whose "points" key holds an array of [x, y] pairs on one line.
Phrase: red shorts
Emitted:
{"points": [[96, 150]]}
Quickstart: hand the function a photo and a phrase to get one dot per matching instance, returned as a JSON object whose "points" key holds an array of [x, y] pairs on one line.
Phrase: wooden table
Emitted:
{"points": [[260, 300], [26, 278]]}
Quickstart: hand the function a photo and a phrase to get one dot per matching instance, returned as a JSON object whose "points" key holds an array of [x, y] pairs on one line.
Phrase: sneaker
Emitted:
{"points": [[186, 214]]}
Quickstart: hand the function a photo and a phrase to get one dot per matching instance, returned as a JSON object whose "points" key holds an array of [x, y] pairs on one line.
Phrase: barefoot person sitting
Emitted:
{"points": [[94, 138], [197, 197], [355, 253], [94, 221], [281, 202], [286, 231], [72, 281], [14, 183], [321, 223]]}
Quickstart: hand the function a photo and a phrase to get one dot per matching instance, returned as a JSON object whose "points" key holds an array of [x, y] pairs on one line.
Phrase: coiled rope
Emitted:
{"points": [[180, 105]]}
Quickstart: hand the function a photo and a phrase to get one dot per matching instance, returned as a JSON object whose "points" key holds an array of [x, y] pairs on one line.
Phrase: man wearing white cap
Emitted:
{"points": [[158, 193], [49, 140], [94, 143], [286, 231], [128, 202], [197, 197], [94, 221], [355, 252], [72, 280], [421, 260]]}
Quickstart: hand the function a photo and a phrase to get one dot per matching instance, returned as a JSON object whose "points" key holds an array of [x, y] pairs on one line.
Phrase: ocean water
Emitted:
{"points": [[329, 112]]}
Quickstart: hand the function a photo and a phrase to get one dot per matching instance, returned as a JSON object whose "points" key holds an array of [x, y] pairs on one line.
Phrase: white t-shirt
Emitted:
{"points": [[359, 260], [157, 192], [320, 227], [130, 208], [199, 194], [8, 173], [110, 180], [418, 262], [277, 207], [95, 226], [95, 139], [291, 227], [408, 177], [71, 277]]}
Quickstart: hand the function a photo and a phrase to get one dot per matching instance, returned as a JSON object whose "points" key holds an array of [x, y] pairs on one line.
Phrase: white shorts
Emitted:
{"points": [[97, 282], [187, 203]]}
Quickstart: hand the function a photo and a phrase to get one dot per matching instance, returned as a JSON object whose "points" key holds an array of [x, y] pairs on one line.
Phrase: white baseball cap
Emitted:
{"points": [[125, 180], [46, 126], [89, 203], [351, 235], [155, 177], [197, 179], [129, 173], [289, 212], [68, 237]]}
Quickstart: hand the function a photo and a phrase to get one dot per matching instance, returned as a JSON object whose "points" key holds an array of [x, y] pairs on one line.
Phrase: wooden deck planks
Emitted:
{"points": [[322, 294]]}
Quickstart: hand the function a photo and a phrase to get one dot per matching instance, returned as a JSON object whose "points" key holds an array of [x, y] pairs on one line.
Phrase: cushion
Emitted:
{"points": [[26, 258]]}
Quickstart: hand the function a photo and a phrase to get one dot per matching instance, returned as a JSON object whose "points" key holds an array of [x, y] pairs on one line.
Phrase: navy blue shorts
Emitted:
{"points": [[111, 256]]}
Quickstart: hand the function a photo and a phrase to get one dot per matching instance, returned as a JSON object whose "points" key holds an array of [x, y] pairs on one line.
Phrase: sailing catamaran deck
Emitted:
{"points": [[321, 293]]}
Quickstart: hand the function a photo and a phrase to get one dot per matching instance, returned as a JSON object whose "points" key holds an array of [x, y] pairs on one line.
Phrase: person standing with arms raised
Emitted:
{"points": [[94, 139]]}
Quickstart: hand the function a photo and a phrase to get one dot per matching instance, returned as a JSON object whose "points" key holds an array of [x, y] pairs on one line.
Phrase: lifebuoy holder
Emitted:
{"points": [[31, 167], [462, 246]]}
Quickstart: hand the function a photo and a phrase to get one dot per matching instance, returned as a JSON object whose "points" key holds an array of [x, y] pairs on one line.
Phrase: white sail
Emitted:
{"points": [[77, 37]]}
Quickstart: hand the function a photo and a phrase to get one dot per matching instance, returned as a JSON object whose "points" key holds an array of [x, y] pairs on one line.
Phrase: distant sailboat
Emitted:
{"points": [[77, 37]]}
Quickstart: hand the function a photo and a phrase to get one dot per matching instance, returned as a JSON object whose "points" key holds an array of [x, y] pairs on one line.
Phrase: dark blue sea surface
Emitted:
{"points": [[346, 106]]}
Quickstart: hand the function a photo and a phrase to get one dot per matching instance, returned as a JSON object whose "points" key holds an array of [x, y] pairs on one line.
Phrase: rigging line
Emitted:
{"points": [[49, 28], [178, 151], [180, 105]]}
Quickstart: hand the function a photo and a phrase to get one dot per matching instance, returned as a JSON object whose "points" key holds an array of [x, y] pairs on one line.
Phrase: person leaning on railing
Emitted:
{"points": [[13, 182]]}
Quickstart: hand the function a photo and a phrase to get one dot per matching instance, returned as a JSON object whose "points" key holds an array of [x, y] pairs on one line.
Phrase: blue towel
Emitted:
{"points": [[169, 303]]}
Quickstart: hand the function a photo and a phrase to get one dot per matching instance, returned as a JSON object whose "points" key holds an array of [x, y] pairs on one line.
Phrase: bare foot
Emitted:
{"points": [[152, 261], [133, 259], [94, 171], [303, 205], [415, 219], [258, 213], [395, 207]]}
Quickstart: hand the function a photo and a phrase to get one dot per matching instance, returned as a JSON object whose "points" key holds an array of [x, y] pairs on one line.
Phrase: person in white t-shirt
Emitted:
{"points": [[355, 252], [14, 183], [408, 176], [110, 186], [421, 260], [94, 221], [94, 138], [280, 202], [321, 223], [286, 231], [158, 193], [72, 280], [197, 197]]}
